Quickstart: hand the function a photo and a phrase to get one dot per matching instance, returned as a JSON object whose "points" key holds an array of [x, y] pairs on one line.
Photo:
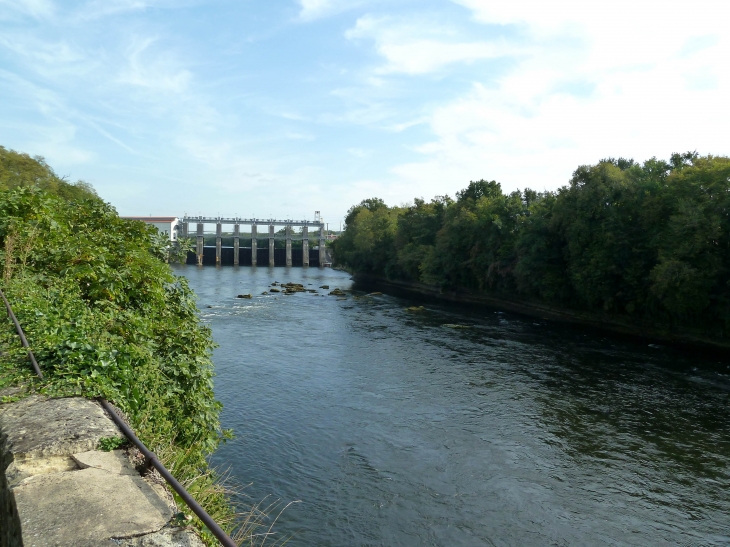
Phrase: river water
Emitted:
{"points": [[393, 428]]}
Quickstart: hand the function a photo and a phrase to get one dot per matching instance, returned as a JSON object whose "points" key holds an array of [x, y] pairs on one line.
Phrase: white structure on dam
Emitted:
{"points": [[165, 225]]}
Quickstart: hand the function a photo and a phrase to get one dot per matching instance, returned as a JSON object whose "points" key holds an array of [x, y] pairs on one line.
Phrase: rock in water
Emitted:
{"points": [[294, 287]]}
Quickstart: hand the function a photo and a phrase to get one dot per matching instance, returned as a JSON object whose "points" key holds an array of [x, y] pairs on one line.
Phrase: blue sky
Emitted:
{"points": [[281, 108]]}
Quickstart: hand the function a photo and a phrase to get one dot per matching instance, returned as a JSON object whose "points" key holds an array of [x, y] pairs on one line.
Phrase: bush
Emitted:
{"points": [[106, 317]]}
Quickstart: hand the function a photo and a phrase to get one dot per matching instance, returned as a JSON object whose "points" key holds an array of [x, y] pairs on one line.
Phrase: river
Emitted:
{"points": [[395, 428]]}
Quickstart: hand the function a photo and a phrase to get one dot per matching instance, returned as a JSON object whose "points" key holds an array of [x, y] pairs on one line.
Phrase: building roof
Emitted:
{"points": [[153, 219]]}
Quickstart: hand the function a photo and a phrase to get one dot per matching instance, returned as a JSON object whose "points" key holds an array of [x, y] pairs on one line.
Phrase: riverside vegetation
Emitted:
{"points": [[649, 243], [106, 317]]}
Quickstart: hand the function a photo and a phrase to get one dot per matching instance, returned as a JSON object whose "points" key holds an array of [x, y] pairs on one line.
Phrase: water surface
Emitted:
{"points": [[394, 428]]}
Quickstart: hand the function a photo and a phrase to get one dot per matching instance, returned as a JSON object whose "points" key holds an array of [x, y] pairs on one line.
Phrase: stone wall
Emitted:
{"points": [[58, 490]]}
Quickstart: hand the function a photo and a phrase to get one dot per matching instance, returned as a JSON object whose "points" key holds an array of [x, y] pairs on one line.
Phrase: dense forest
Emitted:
{"points": [[106, 317], [649, 242]]}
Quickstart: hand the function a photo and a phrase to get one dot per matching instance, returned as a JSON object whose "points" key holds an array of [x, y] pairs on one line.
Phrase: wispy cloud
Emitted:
{"points": [[359, 152], [294, 136], [57, 59], [159, 72], [316, 9], [82, 11], [40, 9], [411, 47], [94, 10], [65, 121], [416, 98]]}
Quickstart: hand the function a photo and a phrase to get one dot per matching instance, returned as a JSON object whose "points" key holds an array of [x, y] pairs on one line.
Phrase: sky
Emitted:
{"points": [[279, 108]]}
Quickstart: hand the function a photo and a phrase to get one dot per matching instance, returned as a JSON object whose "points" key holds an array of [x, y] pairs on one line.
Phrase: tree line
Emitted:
{"points": [[649, 241]]}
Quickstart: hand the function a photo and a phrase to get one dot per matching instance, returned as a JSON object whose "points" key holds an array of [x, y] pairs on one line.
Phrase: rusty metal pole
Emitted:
{"points": [[150, 457], [152, 460], [23, 340]]}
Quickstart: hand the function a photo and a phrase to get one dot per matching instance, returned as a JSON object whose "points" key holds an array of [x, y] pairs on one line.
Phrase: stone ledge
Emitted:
{"points": [[57, 490], [86, 506], [37, 427]]}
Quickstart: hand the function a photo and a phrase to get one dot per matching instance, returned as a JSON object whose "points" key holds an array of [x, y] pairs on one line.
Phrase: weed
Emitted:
{"points": [[107, 444]]}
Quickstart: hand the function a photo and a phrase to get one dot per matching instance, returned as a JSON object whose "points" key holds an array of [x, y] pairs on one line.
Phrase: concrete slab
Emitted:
{"points": [[20, 470], [87, 508], [113, 462], [37, 427]]}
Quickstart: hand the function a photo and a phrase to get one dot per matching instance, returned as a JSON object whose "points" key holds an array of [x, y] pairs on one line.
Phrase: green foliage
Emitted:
{"points": [[106, 317], [107, 444], [176, 252], [370, 235], [648, 241], [21, 171]]}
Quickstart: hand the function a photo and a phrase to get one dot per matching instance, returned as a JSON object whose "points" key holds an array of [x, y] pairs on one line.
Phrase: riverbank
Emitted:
{"points": [[677, 336], [54, 465], [107, 318]]}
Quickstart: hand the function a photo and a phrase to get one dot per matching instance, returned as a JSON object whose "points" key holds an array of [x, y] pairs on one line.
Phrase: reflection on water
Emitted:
{"points": [[456, 427]]}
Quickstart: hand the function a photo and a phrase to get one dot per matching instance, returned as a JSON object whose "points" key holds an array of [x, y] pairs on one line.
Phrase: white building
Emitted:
{"points": [[165, 225]]}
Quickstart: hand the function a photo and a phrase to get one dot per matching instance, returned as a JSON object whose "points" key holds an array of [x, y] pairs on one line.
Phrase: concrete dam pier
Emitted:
{"points": [[259, 253]]}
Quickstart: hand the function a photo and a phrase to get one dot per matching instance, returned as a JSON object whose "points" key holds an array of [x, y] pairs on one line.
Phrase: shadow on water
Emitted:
{"points": [[461, 426]]}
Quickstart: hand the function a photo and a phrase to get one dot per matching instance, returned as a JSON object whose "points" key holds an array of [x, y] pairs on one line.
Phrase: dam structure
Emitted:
{"points": [[262, 235]]}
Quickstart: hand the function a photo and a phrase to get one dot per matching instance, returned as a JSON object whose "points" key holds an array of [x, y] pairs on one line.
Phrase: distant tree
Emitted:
{"points": [[22, 171], [478, 189]]}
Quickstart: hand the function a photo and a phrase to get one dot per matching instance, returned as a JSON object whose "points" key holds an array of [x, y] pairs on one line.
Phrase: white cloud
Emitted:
{"points": [[617, 33], [295, 136], [593, 81], [423, 56], [160, 72], [399, 127], [360, 152], [421, 47], [316, 9]]}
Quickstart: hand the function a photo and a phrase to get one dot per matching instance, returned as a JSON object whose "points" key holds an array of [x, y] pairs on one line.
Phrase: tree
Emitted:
{"points": [[21, 171], [648, 241]]}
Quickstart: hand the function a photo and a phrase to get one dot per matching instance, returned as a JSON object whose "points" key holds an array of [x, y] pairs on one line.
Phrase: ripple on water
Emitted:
{"points": [[393, 430]]}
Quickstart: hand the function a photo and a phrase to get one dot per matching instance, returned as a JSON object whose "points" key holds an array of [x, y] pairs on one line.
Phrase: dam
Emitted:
{"points": [[263, 236]]}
